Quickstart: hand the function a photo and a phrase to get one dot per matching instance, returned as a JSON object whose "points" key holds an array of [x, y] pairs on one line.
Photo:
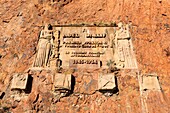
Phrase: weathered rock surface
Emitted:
{"points": [[21, 21]]}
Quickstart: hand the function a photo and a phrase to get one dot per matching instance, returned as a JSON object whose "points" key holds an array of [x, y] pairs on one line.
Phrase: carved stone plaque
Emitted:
{"points": [[124, 53], [86, 47], [150, 82], [62, 81], [19, 81], [106, 82]]}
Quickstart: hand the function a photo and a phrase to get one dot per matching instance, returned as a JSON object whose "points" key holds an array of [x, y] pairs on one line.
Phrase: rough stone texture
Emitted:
{"points": [[21, 21], [148, 100]]}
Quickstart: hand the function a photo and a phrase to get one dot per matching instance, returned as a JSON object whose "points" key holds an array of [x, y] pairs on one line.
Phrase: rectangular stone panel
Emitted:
{"points": [[19, 81], [125, 54], [81, 47], [62, 81], [150, 82], [106, 82], [75, 46], [79, 63]]}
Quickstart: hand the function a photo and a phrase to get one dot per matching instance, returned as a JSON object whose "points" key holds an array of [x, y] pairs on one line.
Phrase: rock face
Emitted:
{"points": [[21, 22]]}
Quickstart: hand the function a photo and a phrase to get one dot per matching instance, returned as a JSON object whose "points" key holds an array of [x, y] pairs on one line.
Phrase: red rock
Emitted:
{"points": [[150, 32]]}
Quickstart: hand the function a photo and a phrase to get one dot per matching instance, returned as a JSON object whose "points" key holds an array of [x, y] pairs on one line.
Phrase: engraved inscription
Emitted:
{"points": [[124, 55], [88, 44], [85, 62], [85, 47], [79, 63]]}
